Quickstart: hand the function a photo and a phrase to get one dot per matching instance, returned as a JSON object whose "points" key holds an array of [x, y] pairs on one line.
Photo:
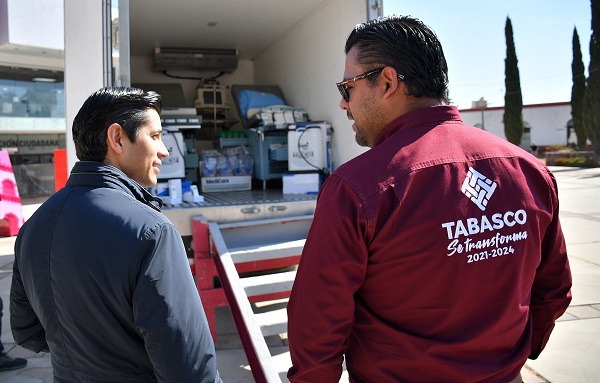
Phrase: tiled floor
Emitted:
{"points": [[581, 312]]}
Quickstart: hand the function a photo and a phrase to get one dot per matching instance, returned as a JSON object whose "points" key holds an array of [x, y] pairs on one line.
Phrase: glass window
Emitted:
{"points": [[31, 99]]}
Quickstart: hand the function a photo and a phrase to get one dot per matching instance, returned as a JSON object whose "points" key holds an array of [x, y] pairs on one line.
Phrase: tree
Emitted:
{"points": [[591, 108], [578, 93], [513, 100]]}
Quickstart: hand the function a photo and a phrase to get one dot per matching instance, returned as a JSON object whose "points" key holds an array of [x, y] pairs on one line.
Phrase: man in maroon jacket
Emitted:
{"points": [[437, 255]]}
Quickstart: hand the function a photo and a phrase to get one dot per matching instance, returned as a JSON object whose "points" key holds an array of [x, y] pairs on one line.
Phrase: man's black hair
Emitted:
{"points": [[124, 106], [407, 45]]}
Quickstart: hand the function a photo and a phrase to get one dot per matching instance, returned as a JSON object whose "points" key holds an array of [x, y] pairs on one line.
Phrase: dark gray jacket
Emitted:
{"points": [[101, 280]]}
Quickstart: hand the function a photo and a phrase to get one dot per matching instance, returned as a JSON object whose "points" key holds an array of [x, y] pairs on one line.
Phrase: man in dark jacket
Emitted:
{"points": [[101, 279]]}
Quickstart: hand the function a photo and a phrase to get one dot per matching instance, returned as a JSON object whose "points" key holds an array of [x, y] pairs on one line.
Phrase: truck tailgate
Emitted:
{"points": [[236, 206]]}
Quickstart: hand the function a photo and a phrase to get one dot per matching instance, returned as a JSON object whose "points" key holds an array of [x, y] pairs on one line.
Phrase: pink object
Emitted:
{"points": [[11, 210]]}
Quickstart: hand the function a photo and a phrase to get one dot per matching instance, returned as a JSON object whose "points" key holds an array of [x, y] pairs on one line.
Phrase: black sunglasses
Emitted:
{"points": [[343, 88]]}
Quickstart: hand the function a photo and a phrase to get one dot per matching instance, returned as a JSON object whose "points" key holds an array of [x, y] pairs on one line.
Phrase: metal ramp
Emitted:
{"points": [[260, 242]]}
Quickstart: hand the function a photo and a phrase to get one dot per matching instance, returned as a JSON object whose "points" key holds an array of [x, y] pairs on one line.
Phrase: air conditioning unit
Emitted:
{"points": [[218, 60]]}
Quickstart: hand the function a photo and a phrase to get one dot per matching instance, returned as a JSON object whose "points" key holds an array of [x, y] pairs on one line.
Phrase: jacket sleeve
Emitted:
{"points": [[169, 315], [332, 268], [551, 291], [25, 324]]}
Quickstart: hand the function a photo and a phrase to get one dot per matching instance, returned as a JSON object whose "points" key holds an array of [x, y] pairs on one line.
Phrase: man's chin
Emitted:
{"points": [[152, 182], [148, 183], [360, 140]]}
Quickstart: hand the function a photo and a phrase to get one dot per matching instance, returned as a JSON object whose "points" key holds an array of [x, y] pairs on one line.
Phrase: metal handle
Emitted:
{"points": [[277, 208], [251, 210]]}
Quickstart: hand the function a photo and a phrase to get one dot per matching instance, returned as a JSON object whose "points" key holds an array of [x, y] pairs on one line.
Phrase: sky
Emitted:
{"points": [[472, 34]]}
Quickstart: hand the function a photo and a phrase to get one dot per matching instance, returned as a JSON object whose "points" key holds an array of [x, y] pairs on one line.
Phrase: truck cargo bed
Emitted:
{"points": [[237, 206]]}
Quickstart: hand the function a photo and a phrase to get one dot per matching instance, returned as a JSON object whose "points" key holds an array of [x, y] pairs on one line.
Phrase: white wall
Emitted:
{"points": [[548, 122], [32, 39], [308, 60]]}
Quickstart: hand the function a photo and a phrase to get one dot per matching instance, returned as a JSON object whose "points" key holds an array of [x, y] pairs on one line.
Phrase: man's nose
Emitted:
{"points": [[343, 104], [163, 152]]}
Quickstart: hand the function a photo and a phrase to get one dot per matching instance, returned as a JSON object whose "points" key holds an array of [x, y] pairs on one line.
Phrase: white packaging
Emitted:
{"points": [[306, 183], [222, 184], [175, 197], [309, 147], [193, 195]]}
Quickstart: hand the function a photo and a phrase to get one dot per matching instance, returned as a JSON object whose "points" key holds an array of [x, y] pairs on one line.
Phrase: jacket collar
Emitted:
{"points": [[432, 114], [98, 174]]}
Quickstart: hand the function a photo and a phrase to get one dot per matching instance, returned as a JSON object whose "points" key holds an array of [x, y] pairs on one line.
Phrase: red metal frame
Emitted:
{"points": [[206, 274]]}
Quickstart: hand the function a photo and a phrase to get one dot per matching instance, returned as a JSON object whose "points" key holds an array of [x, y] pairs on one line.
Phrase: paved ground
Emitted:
{"points": [[571, 354]]}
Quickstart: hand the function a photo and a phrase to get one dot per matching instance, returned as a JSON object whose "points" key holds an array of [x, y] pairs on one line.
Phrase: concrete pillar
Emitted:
{"points": [[86, 41]]}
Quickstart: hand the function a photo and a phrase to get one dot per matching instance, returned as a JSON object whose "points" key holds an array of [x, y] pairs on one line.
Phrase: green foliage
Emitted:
{"points": [[578, 93], [555, 148], [513, 99], [577, 162], [591, 107]]}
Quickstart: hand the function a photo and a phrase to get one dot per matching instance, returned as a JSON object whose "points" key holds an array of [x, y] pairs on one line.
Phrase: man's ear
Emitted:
{"points": [[392, 82], [114, 136]]}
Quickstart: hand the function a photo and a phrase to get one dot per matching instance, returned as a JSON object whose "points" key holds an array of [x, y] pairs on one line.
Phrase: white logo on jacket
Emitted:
{"points": [[488, 243], [478, 188]]}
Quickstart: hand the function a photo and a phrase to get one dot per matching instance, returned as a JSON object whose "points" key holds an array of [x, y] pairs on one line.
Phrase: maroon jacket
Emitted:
{"points": [[435, 256]]}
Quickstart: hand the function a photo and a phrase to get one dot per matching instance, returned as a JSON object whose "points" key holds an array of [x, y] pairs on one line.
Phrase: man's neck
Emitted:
{"points": [[421, 102]]}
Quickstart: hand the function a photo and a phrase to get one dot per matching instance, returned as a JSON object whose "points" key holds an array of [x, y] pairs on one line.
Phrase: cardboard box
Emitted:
{"points": [[221, 184], [306, 183]]}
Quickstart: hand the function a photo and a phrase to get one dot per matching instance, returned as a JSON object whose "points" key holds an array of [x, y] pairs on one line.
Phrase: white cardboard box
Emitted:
{"points": [[306, 183], [221, 184]]}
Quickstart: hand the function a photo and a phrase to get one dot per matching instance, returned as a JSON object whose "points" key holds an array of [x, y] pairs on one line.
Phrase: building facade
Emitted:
{"points": [[32, 100], [545, 124]]}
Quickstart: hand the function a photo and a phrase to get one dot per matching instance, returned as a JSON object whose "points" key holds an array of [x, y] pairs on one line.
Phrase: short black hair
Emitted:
{"points": [[124, 106], [407, 45]]}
